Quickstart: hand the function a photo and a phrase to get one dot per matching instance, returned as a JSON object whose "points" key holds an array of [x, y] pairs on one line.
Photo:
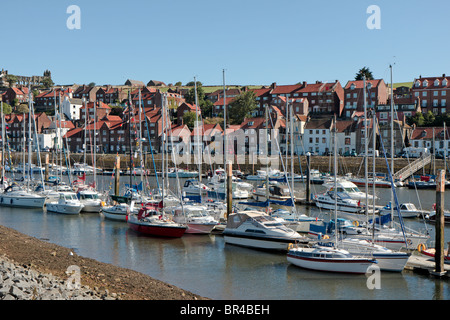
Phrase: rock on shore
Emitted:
{"points": [[23, 283], [34, 269]]}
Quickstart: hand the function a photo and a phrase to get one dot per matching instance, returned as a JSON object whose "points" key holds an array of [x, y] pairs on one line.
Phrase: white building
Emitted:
{"points": [[71, 108], [317, 136]]}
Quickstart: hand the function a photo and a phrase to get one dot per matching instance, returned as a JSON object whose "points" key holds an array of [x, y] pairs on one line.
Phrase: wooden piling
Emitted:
{"points": [[46, 175], [439, 254]]}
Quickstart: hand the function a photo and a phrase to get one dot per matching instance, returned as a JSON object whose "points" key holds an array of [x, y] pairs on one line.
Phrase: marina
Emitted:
{"points": [[205, 264]]}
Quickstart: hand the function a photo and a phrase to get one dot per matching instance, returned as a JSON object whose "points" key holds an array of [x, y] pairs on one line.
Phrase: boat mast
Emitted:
{"points": [[335, 182], [199, 151], [292, 145], [267, 158], [129, 137], [163, 149], [140, 140], [392, 144], [225, 136], [29, 139], [85, 135], [366, 145], [373, 171]]}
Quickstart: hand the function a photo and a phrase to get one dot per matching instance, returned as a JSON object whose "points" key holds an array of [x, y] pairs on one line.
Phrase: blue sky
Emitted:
{"points": [[256, 42]]}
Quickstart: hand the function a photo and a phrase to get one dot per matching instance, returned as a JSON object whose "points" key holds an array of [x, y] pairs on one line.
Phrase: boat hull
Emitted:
{"points": [[340, 207], [200, 228], [341, 266], [277, 244], [22, 202], [157, 229], [65, 209]]}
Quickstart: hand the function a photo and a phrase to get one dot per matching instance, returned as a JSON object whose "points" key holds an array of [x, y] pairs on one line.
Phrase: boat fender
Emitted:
{"points": [[290, 246], [421, 247], [356, 223], [326, 237]]}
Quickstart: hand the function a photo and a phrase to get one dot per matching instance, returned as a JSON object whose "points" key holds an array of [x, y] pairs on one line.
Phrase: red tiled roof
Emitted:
{"points": [[359, 84], [426, 133], [431, 81], [283, 89]]}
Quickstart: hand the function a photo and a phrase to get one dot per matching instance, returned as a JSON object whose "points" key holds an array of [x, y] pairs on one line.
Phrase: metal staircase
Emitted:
{"points": [[410, 169]]}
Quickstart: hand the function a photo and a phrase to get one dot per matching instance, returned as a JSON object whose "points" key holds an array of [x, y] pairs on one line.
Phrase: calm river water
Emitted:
{"points": [[205, 265]]}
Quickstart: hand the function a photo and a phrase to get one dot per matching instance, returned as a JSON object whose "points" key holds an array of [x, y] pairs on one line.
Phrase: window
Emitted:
{"points": [[435, 93], [424, 93], [436, 82], [443, 102]]}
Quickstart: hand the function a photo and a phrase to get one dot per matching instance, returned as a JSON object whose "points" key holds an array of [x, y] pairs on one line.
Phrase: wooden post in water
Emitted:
{"points": [[439, 254], [229, 188], [46, 166], [117, 176], [308, 177]]}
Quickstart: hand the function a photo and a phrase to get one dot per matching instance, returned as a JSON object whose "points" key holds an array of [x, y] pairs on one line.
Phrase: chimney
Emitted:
{"points": [[304, 84], [273, 85], [443, 75]]}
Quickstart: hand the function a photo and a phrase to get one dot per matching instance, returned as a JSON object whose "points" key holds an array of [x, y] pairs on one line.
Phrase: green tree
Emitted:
{"points": [[429, 118], [189, 119], [22, 108], [242, 106], [47, 83], [7, 109], [364, 72], [178, 84]]}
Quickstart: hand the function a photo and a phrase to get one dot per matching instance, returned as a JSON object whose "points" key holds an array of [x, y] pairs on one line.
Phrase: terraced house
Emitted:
{"points": [[433, 93]]}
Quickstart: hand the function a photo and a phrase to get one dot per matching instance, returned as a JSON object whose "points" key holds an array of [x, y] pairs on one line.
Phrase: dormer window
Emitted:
{"points": [[425, 83], [444, 82], [352, 86], [424, 133], [417, 83], [369, 86], [436, 82]]}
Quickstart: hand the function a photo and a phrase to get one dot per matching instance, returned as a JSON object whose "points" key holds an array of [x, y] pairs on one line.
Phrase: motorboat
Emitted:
{"points": [[219, 191], [299, 222], [67, 203], [379, 183], [150, 221], [407, 210], [119, 211], [351, 189], [16, 196], [277, 191], [195, 187], [181, 173], [330, 259], [90, 200], [264, 174], [196, 217], [255, 229], [344, 202]]}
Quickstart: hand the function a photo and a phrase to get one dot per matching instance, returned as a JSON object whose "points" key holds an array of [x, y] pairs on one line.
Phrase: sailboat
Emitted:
{"points": [[16, 195], [150, 220], [330, 258], [196, 217]]}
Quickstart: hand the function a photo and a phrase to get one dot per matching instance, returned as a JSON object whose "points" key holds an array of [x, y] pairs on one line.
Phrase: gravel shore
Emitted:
{"points": [[32, 269]]}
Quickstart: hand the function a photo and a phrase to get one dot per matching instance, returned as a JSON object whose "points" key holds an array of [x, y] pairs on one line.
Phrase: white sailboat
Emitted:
{"points": [[330, 258], [196, 217]]}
